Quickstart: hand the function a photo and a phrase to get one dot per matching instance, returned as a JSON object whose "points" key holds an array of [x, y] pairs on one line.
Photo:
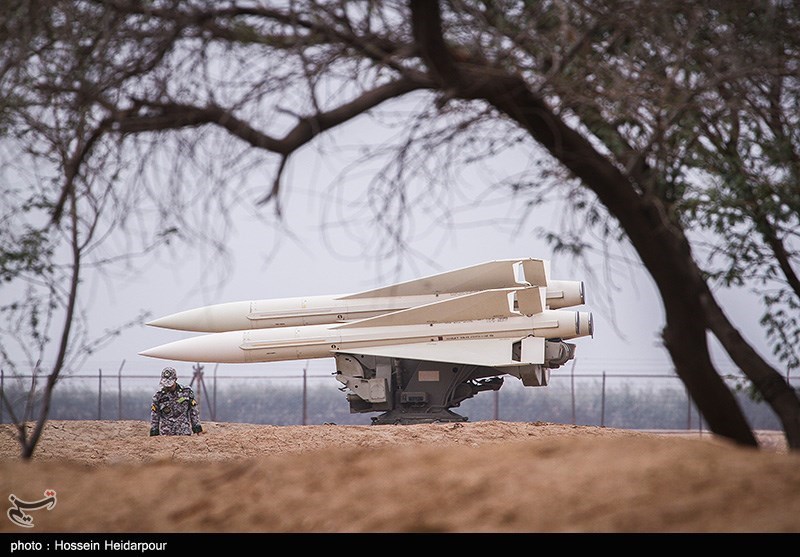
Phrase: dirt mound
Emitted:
{"points": [[465, 477]]}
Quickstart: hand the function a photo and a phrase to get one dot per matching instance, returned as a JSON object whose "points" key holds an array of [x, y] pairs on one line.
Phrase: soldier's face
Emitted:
{"points": [[173, 387]]}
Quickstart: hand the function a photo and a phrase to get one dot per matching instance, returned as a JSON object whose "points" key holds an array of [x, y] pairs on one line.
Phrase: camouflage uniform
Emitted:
{"points": [[174, 409]]}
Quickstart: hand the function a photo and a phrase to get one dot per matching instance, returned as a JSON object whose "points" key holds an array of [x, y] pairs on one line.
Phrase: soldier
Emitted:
{"points": [[174, 410]]}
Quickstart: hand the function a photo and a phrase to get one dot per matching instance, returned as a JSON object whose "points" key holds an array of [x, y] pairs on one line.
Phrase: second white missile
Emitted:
{"points": [[316, 310]]}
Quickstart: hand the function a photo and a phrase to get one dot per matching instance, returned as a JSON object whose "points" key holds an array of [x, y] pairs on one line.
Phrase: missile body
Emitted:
{"points": [[324, 341], [286, 312], [318, 310]]}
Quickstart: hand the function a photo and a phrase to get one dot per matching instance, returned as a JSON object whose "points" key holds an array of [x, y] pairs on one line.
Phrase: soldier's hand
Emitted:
{"points": [[153, 432]]}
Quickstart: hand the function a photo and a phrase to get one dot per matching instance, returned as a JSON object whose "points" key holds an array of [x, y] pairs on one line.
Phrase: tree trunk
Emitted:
{"points": [[775, 389], [661, 244], [662, 247], [685, 339], [666, 254]]}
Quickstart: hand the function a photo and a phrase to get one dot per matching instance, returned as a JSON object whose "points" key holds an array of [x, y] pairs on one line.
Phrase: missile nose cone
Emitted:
{"points": [[208, 319], [163, 322], [216, 347], [162, 352], [193, 320], [152, 353]]}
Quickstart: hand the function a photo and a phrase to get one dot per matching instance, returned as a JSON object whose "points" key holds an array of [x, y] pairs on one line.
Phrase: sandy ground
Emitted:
{"points": [[455, 478]]}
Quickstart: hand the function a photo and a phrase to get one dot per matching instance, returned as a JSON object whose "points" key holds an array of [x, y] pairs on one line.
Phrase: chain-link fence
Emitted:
{"points": [[625, 400]]}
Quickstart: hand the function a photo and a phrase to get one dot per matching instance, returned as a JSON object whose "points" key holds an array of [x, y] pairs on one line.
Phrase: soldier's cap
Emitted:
{"points": [[169, 377]]}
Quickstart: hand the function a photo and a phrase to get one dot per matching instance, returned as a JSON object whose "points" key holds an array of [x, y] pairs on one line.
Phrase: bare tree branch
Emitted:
{"points": [[161, 117]]}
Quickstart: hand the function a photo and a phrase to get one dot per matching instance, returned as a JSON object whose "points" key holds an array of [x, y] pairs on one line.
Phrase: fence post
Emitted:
{"points": [[572, 389], [2, 398], [305, 392], [688, 410], [496, 405], [214, 395], [119, 391], [199, 388], [99, 393], [603, 403]]}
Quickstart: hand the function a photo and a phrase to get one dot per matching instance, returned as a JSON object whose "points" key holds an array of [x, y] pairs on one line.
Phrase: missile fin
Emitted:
{"points": [[487, 304], [537, 271], [484, 276], [531, 300]]}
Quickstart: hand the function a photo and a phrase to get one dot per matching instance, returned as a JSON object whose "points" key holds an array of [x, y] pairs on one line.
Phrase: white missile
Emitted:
{"points": [[494, 328], [317, 310]]}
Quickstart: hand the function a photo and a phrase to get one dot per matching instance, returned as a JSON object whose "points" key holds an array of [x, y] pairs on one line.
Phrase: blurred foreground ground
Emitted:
{"points": [[110, 476]]}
